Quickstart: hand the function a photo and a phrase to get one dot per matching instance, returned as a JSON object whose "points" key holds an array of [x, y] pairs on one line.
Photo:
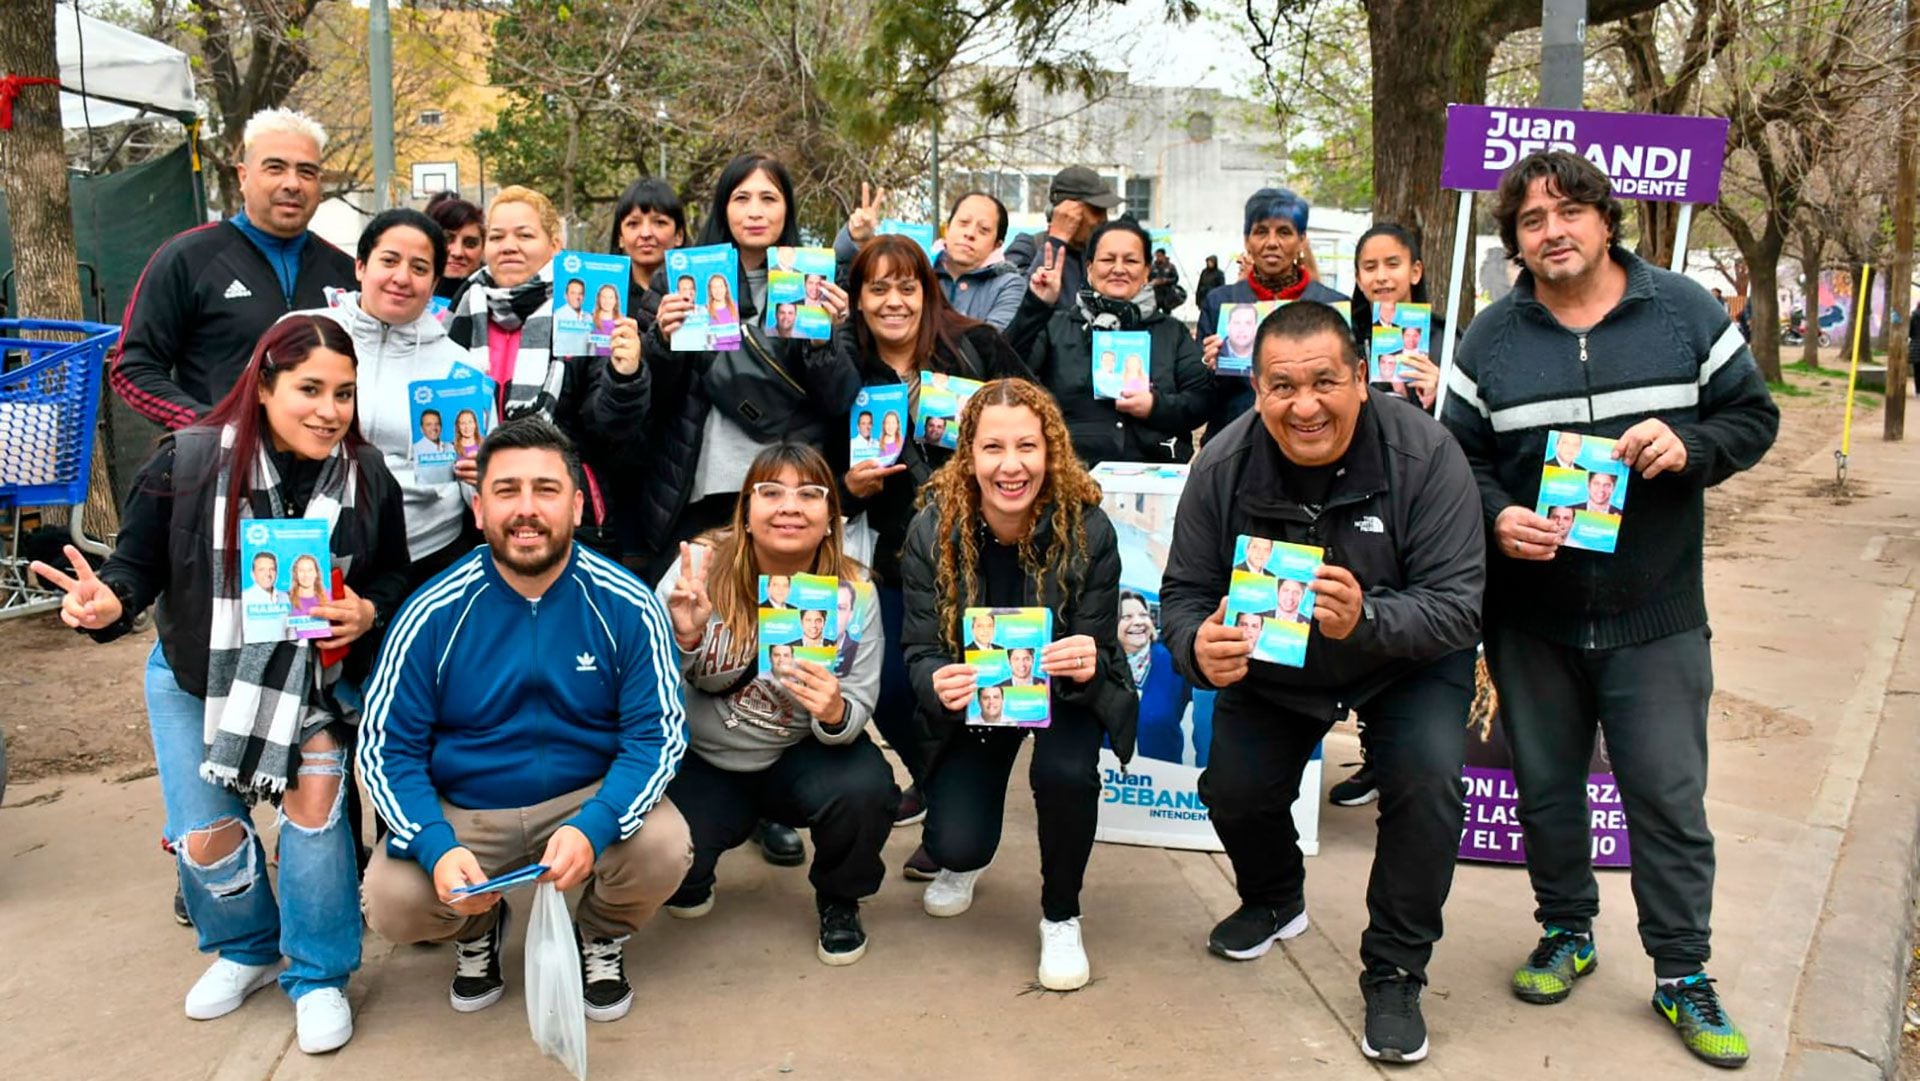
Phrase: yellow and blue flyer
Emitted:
{"points": [[1004, 644], [942, 397], [796, 284], [1583, 490], [798, 621], [1268, 597], [1399, 331]]}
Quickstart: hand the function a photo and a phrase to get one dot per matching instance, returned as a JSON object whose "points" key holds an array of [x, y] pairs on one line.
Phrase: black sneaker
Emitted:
{"points": [[180, 909], [603, 978], [913, 807], [689, 904], [920, 866], [1253, 929], [842, 941], [1357, 790], [477, 982], [1395, 1030], [780, 844]]}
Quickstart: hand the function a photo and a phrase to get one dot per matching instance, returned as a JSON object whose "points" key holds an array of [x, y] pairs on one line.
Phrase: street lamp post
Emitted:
{"points": [[660, 117]]}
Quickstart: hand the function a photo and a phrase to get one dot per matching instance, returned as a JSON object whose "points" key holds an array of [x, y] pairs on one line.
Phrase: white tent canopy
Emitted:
{"points": [[124, 74]]}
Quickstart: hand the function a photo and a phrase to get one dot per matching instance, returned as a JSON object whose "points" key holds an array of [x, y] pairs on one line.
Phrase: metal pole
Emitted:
{"points": [[1563, 53], [1679, 263], [1456, 275], [380, 72]]}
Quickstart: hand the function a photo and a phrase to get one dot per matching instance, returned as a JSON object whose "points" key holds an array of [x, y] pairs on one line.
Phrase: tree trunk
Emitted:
{"points": [[1813, 247], [33, 168], [1763, 264], [1659, 230]]}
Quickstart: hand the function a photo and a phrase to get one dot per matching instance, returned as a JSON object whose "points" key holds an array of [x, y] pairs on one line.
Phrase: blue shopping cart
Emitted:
{"points": [[49, 400]]}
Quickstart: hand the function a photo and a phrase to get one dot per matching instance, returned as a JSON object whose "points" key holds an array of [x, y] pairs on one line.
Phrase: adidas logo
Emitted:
{"points": [[237, 291], [584, 663]]}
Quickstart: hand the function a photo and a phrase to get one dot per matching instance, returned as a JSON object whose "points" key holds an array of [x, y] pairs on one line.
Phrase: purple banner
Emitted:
{"points": [[1492, 830], [1672, 159]]}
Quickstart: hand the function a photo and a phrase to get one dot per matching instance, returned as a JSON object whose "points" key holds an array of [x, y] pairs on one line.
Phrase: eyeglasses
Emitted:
{"points": [[809, 495]]}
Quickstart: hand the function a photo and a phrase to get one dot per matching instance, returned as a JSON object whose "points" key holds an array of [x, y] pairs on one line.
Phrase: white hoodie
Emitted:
{"points": [[390, 357]]}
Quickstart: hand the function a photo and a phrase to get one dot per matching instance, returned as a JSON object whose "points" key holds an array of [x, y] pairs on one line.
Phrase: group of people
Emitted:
{"points": [[552, 658]]}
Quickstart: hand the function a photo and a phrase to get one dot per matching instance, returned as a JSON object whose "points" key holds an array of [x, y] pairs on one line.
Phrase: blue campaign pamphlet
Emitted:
{"points": [[1268, 597], [710, 277], [1003, 646], [1122, 361], [285, 567], [450, 418], [921, 232], [1583, 490], [796, 283], [502, 883], [799, 620], [877, 427], [589, 297], [1239, 326], [942, 399], [1399, 331]]}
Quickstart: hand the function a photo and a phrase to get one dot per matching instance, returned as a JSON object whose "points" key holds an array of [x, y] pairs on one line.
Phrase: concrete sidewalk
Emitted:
{"points": [[1811, 799]]}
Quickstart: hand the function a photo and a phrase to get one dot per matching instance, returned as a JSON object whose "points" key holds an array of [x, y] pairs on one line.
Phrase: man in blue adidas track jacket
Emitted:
{"points": [[525, 710]]}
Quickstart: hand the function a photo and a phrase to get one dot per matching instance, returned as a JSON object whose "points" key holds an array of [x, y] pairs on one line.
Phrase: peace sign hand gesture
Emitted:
{"points": [[1045, 281], [89, 605], [687, 602], [865, 217]]}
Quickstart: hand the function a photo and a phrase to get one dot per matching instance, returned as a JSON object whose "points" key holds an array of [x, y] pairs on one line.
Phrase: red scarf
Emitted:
{"points": [[1289, 292]]}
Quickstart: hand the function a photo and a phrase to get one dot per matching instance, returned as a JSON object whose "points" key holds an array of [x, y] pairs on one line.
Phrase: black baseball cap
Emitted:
{"points": [[1081, 183]]}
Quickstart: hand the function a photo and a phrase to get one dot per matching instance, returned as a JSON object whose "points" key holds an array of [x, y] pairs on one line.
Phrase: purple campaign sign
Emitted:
{"points": [[1491, 833], [1673, 159]]}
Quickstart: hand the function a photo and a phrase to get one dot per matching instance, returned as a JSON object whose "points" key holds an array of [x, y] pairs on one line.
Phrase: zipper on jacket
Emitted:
{"points": [[540, 743], [1583, 362], [752, 345]]}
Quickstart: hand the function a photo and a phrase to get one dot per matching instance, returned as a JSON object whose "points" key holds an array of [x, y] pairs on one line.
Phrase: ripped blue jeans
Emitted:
{"points": [[315, 922]]}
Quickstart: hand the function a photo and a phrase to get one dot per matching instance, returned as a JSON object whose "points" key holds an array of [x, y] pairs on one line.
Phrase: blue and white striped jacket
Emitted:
{"points": [[488, 700]]}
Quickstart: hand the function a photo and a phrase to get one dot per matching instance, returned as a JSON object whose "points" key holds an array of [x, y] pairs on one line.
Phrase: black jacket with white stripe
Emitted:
{"points": [[1667, 350]]}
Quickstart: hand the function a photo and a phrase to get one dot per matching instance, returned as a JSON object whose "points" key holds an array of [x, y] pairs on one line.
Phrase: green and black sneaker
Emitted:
{"points": [[1561, 958], [1693, 1008]]}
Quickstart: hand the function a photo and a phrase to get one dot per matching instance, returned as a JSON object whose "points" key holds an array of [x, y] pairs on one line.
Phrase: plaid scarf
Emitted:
{"points": [[264, 699], [538, 378]]}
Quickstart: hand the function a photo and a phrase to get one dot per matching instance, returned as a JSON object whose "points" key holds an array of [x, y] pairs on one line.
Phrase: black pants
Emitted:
{"points": [[844, 794], [1417, 742], [967, 799], [1651, 701], [896, 714]]}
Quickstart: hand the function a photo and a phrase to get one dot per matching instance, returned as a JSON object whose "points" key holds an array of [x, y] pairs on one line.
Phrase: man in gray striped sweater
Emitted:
{"points": [[1594, 340]]}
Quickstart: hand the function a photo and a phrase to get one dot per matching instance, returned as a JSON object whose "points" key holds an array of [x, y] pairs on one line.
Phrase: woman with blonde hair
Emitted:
{"points": [[787, 746], [1014, 520]]}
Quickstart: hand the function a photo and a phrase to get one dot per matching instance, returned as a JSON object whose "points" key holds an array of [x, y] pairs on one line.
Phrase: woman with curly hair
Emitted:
{"points": [[1013, 520]]}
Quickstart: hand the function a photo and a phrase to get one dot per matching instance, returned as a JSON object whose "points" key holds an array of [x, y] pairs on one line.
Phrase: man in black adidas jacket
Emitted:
{"points": [[1380, 487], [1594, 340], [209, 293]]}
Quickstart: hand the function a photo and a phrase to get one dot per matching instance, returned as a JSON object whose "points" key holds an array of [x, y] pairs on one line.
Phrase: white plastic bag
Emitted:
{"points": [[859, 540], [556, 1008]]}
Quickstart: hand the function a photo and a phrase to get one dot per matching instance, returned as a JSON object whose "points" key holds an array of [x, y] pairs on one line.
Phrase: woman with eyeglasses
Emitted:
{"points": [[785, 741]]}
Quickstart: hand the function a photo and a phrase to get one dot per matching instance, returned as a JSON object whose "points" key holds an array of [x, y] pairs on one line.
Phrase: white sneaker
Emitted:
{"points": [[950, 893], [324, 1020], [224, 986], [1063, 960]]}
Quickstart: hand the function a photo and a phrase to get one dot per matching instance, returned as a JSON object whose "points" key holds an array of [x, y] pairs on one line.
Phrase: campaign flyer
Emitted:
{"points": [[1399, 331], [1239, 326], [710, 277], [857, 606], [1583, 491], [1268, 598], [449, 421], [1003, 646], [798, 621], [920, 232], [589, 297], [878, 424], [1122, 362], [796, 283], [942, 397], [287, 565]]}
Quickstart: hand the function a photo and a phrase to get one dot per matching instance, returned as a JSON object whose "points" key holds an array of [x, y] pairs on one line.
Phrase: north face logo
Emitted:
{"points": [[584, 663], [237, 291], [1369, 524]]}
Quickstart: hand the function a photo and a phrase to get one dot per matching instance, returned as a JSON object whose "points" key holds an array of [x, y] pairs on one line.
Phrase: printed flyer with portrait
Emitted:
{"points": [[449, 421], [942, 397], [589, 298], [709, 277], [1003, 647], [286, 566], [878, 424], [921, 233], [1239, 326], [1399, 331], [1583, 491], [1268, 599], [1122, 362], [796, 281], [797, 621]]}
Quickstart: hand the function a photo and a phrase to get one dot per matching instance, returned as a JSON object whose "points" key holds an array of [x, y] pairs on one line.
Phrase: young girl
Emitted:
{"points": [[234, 722], [1388, 272], [1012, 520], [788, 746]]}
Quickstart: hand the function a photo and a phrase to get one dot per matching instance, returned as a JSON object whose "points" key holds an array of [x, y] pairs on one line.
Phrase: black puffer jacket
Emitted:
{"points": [[1085, 599], [1058, 345]]}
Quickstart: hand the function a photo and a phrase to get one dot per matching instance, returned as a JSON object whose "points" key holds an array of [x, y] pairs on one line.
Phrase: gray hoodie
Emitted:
{"points": [[748, 730]]}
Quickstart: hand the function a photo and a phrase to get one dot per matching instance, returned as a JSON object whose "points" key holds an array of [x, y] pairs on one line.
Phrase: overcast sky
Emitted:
{"points": [[1204, 53]]}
